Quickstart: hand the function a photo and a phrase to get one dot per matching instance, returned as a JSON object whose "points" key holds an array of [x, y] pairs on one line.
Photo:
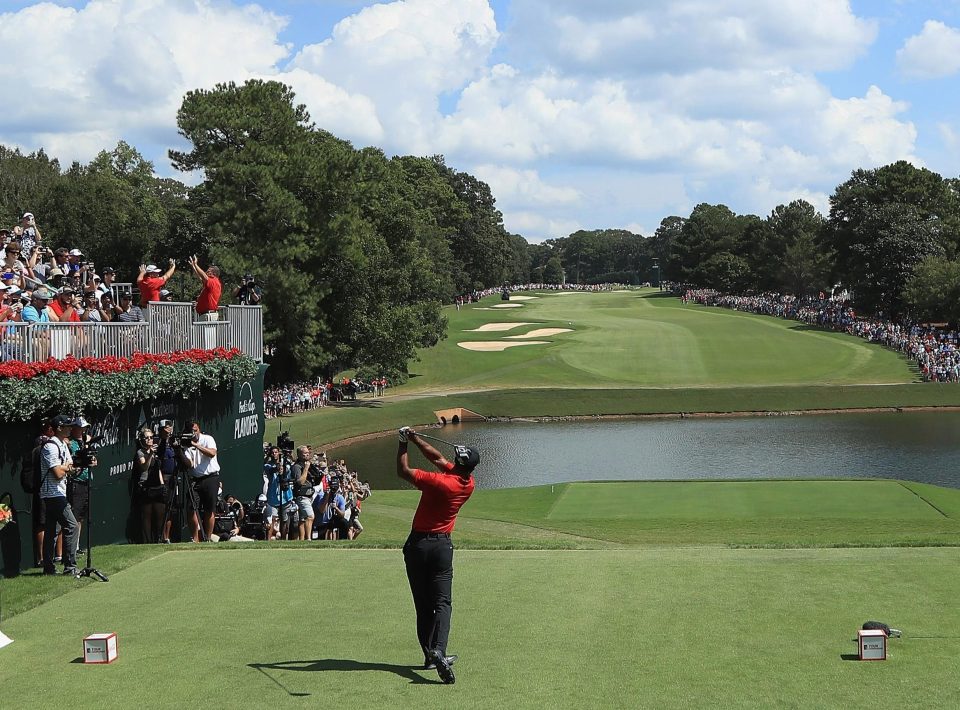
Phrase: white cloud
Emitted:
{"points": [[537, 227], [513, 186], [932, 54], [119, 68], [403, 55], [686, 35]]}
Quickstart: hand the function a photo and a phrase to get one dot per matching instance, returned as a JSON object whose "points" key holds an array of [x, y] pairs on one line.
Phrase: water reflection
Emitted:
{"points": [[921, 446]]}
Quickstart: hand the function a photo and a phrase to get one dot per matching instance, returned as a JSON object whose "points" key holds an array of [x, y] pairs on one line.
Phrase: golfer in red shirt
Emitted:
{"points": [[428, 551]]}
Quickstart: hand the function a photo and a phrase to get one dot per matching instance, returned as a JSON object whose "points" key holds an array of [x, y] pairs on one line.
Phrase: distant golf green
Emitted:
{"points": [[644, 339]]}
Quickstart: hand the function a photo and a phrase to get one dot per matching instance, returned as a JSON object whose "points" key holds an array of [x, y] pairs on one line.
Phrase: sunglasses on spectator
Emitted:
{"points": [[12, 251]]}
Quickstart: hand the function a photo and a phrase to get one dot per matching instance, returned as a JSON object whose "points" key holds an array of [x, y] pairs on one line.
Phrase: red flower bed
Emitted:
{"points": [[17, 370]]}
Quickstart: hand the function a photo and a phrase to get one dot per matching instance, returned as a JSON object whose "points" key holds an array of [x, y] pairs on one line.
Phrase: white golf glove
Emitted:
{"points": [[403, 432]]}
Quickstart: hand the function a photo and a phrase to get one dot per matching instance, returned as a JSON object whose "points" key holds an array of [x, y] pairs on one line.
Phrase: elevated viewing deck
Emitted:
{"points": [[168, 327]]}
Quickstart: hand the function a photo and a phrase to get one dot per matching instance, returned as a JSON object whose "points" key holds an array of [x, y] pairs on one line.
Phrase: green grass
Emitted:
{"points": [[631, 354], [637, 628], [573, 595], [645, 339]]}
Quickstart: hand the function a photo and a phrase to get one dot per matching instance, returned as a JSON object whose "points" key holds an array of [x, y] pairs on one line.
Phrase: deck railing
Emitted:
{"points": [[169, 327]]}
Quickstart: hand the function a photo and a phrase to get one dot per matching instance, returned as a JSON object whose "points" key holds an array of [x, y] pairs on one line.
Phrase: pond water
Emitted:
{"points": [[910, 446]]}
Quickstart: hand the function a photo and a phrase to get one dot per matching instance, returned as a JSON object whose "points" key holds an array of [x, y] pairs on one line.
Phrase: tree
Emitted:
{"points": [[933, 291], [883, 222], [553, 271]]}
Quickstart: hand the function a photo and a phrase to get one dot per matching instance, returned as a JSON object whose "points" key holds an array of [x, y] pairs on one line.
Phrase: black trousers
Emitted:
{"points": [[429, 561]]}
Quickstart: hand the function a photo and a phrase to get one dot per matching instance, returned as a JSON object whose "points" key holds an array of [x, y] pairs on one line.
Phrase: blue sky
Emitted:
{"points": [[580, 115]]}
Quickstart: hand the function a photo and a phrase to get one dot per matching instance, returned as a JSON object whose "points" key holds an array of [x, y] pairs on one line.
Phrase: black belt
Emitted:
{"points": [[428, 535], [204, 478]]}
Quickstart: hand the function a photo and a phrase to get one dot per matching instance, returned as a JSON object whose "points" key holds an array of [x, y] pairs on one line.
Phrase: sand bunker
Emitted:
{"points": [[541, 333], [508, 305], [492, 346], [523, 298], [622, 290], [486, 328]]}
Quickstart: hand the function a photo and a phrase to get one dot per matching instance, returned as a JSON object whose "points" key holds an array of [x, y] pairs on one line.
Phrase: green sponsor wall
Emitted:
{"points": [[234, 417]]}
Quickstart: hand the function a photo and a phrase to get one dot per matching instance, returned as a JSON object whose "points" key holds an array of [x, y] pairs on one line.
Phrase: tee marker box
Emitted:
{"points": [[100, 648], [872, 644]]}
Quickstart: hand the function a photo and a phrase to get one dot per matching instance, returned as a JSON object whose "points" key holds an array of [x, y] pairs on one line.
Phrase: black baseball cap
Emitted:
{"points": [[62, 420]]}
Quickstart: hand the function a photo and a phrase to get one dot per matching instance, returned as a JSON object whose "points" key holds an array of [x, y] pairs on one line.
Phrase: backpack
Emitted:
{"points": [[30, 469]]}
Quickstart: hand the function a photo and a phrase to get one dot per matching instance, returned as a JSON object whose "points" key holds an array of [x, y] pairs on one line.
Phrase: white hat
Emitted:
{"points": [[27, 215], [152, 267], [76, 252], [81, 422], [3, 286]]}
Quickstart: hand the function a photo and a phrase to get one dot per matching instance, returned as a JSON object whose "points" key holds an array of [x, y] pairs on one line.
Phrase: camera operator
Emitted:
{"points": [[278, 482], [198, 453], [78, 486], [304, 477], [248, 293], [56, 464], [334, 510], [150, 493]]}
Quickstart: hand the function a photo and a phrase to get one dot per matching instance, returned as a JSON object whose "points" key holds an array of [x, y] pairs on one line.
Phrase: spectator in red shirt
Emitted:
{"points": [[428, 551], [65, 305], [150, 282], [209, 299]]}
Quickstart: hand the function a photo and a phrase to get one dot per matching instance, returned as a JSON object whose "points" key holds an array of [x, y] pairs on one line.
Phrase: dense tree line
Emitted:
{"points": [[356, 251]]}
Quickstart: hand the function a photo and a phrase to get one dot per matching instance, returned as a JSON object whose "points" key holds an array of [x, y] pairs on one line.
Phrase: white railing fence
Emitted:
{"points": [[169, 327]]}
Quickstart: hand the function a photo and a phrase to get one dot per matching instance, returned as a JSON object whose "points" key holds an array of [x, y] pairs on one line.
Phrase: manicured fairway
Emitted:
{"points": [[646, 339], [653, 628]]}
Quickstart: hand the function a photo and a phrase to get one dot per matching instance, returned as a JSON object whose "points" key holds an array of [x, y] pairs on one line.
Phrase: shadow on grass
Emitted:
{"points": [[849, 657], [338, 664], [350, 403]]}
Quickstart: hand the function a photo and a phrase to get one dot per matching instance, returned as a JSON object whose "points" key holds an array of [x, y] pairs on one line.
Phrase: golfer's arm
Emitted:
{"points": [[431, 454], [403, 465]]}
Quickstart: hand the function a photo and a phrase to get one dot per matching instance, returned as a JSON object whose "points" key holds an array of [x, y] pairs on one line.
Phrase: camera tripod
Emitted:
{"points": [[90, 570], [181, 481]]}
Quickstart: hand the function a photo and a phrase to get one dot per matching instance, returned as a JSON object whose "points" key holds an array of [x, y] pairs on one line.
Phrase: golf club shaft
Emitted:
{"points": [[433, 438]]}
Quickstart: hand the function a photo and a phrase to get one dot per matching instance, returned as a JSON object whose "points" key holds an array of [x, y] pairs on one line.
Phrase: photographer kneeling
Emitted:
{"points": [[198, 453]]}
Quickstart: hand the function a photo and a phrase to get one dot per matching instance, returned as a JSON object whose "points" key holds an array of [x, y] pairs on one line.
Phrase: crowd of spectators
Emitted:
{"points": [[304, 497], [934, 349], [296, 397], [41, 284]]}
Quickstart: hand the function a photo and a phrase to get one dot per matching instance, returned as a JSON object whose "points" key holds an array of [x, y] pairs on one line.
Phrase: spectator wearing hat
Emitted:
{"points": [[10, 308], [73, 261], [248, 293], [29, 234], [55, 465], [38, 310], [64, 306], [149, 281], [127, 312], [209, 299], [165, 295]]}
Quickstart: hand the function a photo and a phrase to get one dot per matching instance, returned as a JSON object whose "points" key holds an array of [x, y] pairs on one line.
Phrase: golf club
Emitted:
{"points": [[434, 438]]}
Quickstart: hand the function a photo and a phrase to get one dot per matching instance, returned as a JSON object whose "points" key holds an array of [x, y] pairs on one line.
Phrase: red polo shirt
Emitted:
{"points": [[59, 308], [150, 289], [441, 497], [209, 297]]}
